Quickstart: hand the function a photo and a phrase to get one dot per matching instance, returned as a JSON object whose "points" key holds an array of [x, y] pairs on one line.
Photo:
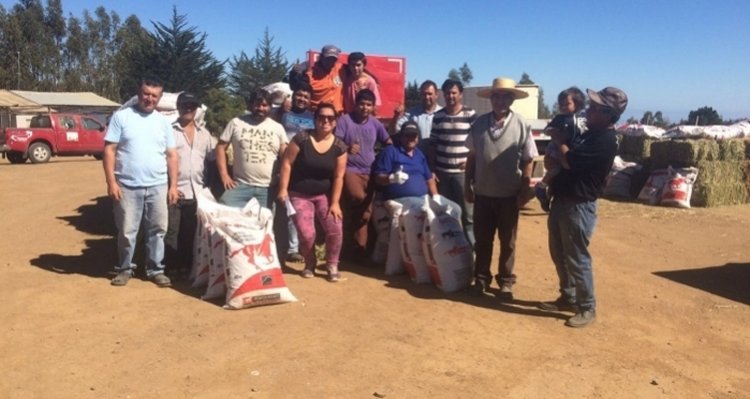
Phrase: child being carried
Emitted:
{"points": [[571, 123]]}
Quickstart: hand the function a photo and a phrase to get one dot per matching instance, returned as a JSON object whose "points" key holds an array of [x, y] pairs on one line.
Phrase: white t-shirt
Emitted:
{"points": [[256, 148]]}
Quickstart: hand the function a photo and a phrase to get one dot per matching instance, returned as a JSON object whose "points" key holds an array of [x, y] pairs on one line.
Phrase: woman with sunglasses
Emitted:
{"points": [[311, 179]]}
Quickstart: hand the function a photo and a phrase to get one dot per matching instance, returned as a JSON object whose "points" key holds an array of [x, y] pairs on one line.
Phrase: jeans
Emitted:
{"points": [[451, 186], [239, 196], [178, 241], [571, 224], [293, 238], [149, 206], [495, 215]]}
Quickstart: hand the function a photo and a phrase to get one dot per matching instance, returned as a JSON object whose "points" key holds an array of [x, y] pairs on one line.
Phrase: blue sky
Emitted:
{"points": [[673, 56]]}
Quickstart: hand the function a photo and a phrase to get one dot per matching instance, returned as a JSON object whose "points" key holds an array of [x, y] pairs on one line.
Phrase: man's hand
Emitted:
{"points": [[468, 193], [335, 211], [523, 196], [173, 195], [398, 177], [228, 183], [114, 192], [354, 149]]}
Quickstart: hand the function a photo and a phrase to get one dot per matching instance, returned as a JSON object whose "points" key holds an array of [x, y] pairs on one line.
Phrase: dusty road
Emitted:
{"points": [[674, 309]]}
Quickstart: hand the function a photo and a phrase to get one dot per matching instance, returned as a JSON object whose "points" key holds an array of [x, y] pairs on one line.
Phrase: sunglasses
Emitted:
{"points": [[188, 107], [326, 118]]}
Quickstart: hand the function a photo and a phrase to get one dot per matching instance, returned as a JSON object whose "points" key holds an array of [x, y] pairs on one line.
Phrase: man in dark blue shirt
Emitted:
{"points": [[586, 162], [401, 170]]}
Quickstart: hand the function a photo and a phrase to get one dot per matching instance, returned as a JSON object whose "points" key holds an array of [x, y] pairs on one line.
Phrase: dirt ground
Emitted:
{"points": [[673, 288]]}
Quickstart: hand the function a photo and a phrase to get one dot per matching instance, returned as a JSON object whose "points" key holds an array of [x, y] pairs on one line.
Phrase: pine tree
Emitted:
{"points": [[267, 66]]}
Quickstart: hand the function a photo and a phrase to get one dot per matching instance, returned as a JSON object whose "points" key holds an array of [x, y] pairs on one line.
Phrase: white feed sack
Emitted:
{"points": [[382, 222], [216, 287], [448, 253], [679, 187], [651, 191], [393, 264], [618, 180], [253, 271], [411, 224]]}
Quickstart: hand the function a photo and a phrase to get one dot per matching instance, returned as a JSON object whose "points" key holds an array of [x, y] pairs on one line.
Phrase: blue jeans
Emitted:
{"points": [[293, 239], [239, 196], [451, 186], [571, 225], [149, 206]]}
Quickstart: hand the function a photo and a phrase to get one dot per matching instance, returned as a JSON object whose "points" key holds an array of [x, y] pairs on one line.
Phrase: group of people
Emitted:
{"points": [[324, 160]]}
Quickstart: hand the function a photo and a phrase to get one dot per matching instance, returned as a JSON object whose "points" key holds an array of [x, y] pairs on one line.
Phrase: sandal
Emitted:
{"points": [[307, 273]]}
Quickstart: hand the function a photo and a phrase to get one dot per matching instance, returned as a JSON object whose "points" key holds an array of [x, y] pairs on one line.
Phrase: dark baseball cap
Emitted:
{"points": [[186, 98], [609, 97], [329, 50], [409, 128]]}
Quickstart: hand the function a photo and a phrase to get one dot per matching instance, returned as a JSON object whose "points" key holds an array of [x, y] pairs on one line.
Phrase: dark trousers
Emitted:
{"points": [[491, 215], [357, 207], [178, 254]]}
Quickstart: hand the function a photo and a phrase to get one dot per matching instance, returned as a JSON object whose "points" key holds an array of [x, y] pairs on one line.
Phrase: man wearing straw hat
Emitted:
{"points": [[585, 164], [498, 172]]}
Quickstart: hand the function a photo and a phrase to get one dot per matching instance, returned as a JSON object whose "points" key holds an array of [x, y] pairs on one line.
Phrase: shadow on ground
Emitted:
{"points": [[98, 255], [430, 292], [731, 281]]}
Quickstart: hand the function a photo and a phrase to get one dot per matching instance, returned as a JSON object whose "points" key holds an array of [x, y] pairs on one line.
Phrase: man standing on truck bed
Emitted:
{"points": [[140, 167], [325, 77]]}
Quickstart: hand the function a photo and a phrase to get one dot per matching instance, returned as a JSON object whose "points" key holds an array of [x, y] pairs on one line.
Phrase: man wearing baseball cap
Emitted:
{"points": [[195, 148], [586, 163], [325, 77], [401, 169]]}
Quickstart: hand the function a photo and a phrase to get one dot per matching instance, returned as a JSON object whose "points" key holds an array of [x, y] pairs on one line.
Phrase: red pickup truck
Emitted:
{"points": [[53, 134]]}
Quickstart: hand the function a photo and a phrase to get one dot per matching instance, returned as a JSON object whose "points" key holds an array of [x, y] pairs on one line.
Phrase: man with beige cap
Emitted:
{"points": [[498, 172], [585, 164]]}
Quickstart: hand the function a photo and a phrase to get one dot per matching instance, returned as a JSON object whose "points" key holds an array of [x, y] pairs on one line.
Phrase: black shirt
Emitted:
{"points": [[590, 159], [312, 172]]}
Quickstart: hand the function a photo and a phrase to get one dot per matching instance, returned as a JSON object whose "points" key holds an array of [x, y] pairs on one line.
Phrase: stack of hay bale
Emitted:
{"points": [[721, 168], [637, 149]]}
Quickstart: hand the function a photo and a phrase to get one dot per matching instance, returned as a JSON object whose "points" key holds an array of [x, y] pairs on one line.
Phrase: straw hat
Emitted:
{"points": [[503, 85]]}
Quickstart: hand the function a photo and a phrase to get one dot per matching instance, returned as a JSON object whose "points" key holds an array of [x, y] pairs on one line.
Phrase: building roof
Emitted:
{"points": [[10, 100], [79, 99]]}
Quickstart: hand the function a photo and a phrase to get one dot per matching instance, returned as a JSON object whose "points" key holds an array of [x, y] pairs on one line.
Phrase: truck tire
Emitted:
{"points": [[99, 156], [16, 157], [39, 153]]}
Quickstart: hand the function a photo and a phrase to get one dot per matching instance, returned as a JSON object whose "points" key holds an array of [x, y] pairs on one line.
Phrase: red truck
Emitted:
{"points": [[53, 134]]}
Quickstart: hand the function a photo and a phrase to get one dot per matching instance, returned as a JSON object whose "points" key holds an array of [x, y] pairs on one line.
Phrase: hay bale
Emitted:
{"points": [[717, 195], [635, 148], [731, 150], [745, 165], [720, 172], [683, 153]]}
